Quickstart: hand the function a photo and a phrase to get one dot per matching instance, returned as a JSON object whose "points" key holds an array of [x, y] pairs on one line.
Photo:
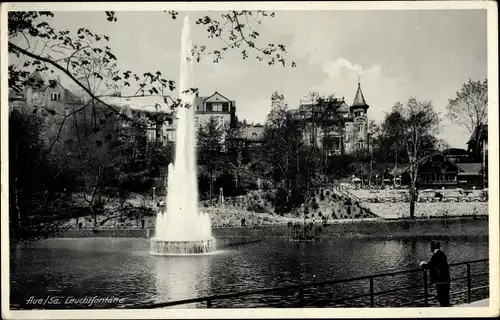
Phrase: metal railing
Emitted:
{"points": [[372, 294]]}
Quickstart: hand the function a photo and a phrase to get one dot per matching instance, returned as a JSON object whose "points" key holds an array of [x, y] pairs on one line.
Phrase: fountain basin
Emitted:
{"points": [[168, 247]]}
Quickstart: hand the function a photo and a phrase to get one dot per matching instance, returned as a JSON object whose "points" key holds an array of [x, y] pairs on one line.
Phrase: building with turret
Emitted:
{"points": [[356, 125], [334, 126]]}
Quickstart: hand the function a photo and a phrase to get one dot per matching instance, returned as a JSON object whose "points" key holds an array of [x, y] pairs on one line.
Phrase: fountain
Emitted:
{"points": [[182, 228]]}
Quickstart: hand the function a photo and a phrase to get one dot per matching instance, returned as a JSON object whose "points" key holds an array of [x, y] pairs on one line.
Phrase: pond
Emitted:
{"points": [[123, 268]]}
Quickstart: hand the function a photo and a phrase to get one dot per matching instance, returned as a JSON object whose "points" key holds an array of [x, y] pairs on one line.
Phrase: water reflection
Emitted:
{"points": [[181, 277]]}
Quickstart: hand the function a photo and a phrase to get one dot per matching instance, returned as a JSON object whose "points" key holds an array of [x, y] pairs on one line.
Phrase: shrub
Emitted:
{"points": [[315, 205], [280, 201]]}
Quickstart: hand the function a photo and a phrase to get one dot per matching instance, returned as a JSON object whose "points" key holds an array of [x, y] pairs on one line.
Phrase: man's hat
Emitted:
{"points": [[435, 245]]}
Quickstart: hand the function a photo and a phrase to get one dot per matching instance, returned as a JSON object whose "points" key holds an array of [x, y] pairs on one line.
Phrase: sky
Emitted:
{"points": [[427, 54]]}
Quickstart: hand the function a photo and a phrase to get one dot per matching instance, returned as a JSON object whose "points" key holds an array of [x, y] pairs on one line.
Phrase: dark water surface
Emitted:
{"points": [[123, 268]]}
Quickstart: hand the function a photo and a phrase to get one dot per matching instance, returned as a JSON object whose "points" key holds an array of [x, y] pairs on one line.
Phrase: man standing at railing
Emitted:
{"points": [[439, 273]]}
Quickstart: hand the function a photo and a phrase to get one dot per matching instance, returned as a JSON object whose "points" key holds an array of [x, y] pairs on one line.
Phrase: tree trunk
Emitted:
{"points": [[412, 202], [85, 123], [211, 186], [413, 186], [94, 215], [371, 168], [477, 151]]}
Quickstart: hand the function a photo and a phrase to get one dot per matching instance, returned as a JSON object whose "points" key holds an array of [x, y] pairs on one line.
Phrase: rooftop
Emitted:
{"points": [[146, 103], [359, 99]]}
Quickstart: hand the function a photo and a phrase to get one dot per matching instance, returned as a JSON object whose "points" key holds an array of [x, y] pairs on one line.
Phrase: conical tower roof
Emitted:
{"points": [[359, 99]]}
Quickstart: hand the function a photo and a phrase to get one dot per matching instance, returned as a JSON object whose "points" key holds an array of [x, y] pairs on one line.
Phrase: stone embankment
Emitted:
{"points": [[435, 228]]}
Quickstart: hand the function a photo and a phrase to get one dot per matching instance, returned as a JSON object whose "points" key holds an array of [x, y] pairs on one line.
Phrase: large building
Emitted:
{"points": [[45, 97], [51, 98], [51, 101], [334, 125], [216, 106], [456, 168], [437, 170]]}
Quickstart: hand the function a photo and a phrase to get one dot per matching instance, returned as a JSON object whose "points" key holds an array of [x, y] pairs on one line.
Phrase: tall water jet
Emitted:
{"points": [[181, 228]]}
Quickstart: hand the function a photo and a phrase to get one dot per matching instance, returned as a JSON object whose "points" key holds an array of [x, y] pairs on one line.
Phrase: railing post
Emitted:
{"points": [[372, 298], [426, 289], [301, 296], [469, 286], [209, 303]]}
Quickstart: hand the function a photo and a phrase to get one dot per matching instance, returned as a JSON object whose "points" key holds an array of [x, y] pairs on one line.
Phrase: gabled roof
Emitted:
{"points": [[343, 108], [456, 152], [431, 155], [359, 99], [71, 97], [333, 108], [215, 95], [152, 104], [471, 168]]}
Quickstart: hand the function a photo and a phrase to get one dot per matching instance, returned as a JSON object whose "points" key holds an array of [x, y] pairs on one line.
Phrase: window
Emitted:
{"points": [[195, 121], [35, 95], [220, 121], [170, 135], [55, 96], [217, 106], [361, 144]]}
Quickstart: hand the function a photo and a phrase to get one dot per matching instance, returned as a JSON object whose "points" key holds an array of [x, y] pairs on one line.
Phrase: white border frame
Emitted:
{"points": [[491, 311]]}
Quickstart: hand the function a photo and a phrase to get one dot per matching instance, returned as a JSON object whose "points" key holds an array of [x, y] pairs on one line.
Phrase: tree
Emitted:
{"points": [[469, 109], [97, 159], [421, 124], [279, 108], [41, 47], [210, 150], [40, 189], [238, 164], [293, 162], [276, 143], [391, 138]]}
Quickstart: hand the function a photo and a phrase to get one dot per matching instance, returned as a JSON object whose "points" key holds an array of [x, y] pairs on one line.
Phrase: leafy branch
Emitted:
{"points": [[237, 35]]}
